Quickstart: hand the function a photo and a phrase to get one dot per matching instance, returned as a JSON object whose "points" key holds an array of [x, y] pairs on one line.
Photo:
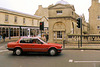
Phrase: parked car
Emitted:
{"points": [[34, 44]]}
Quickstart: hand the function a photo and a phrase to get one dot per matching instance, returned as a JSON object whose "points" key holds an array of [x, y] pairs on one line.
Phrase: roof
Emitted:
{"points": [[4, 10]]}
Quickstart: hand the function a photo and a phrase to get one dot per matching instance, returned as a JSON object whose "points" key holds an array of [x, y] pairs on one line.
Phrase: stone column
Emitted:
{"points": [[62, 36]]}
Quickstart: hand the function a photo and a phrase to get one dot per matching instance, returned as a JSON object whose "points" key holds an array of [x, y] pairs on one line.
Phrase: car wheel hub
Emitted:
{"points": [[52, 52], [18, 52]]}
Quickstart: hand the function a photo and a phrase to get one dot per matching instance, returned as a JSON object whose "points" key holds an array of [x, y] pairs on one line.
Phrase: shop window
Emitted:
{"points": [[59, 34]]}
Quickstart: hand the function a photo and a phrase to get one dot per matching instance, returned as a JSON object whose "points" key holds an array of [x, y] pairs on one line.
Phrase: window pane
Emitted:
{"points": [[6, 17], [59, 34]]}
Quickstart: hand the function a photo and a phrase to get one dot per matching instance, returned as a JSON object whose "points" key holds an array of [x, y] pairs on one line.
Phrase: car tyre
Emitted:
{"points": [[14, 52], [18, 51], [53, 52]]}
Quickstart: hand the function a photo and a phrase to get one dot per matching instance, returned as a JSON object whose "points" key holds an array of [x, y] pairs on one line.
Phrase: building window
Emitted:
{"points": [[98, 27], [24, 20], [6, 18], [15, 19], [98, 17], [59, 12], [59, 34]]}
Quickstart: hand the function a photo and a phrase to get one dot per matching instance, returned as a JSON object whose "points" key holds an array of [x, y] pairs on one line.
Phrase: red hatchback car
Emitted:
{"points": [[34, 44]]}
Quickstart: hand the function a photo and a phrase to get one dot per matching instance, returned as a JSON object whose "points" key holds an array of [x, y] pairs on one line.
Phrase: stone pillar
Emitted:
{"points": [[62, 37]]}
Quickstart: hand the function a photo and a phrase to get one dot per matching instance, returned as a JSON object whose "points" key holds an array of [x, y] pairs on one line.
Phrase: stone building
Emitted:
{"points": [[94, 17], [16, 24], [62, 20]]}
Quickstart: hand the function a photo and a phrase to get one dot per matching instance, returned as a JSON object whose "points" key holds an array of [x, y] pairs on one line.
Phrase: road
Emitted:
{"points": [[68, 58]]}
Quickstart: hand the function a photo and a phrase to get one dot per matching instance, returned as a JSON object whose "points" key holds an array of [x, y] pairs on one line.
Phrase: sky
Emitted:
{"points": [[30, 6]]}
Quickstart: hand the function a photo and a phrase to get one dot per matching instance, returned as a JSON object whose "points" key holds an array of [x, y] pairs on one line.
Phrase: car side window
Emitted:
{"points": [[38, 41], [26, 40]]}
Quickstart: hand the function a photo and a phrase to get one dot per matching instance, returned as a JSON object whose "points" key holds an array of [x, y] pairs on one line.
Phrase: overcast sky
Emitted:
{"points": [[30, 6]]}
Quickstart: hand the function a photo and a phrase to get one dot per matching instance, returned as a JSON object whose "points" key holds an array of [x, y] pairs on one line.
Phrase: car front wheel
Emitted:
{"points": [[18, 51], [53, 52]]}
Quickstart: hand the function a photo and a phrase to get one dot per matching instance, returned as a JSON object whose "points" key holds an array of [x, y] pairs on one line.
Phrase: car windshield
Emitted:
{"points": [[43, 40]]}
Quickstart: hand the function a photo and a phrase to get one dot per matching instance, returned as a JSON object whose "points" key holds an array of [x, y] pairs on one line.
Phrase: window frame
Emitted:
{"points": [[23, 20], [15, 19], [98, 27], [59, 12], [59, 34], [6, 18], [98, 17]]}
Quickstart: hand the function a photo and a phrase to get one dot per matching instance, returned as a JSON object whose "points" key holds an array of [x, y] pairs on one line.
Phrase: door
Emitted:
{"points": [[39, 46], [26, 44]]}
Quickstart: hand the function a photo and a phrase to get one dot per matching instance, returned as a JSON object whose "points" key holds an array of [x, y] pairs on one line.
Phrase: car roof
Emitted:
{"points": [[31, 37]]}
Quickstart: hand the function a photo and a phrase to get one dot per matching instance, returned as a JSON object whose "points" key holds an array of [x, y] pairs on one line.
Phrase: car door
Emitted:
{"points": [[26, 44], [39, 46]]}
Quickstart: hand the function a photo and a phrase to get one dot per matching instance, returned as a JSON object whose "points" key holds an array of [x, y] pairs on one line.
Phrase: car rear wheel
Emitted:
{"points": [[18, 51], [53, 52]]}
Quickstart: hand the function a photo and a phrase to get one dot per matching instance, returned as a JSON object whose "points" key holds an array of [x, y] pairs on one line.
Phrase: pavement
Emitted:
{"points": [[84, 47]]}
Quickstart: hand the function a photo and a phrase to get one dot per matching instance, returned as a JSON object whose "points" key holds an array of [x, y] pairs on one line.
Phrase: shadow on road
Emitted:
{"points": [[36, 54]]}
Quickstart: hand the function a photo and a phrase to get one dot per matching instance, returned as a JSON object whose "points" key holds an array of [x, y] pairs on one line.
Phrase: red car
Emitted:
{"points": [[34, 44]]}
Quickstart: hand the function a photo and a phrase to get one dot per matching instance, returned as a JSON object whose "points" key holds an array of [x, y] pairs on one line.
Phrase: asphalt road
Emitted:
{"points": [[68, 58]]}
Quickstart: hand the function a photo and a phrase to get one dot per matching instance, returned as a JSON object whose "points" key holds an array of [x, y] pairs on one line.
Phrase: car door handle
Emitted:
{"points": [[32, 45]]}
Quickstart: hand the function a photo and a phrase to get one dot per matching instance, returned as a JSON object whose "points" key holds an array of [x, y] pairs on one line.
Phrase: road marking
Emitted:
{"points": [[70, 60], [3, 50], [82, 50], [86, 61]]}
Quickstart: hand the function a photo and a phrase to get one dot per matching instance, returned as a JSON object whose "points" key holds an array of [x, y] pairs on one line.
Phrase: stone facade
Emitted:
{"points": [[94, 17], [12, 21], [62, 20]]}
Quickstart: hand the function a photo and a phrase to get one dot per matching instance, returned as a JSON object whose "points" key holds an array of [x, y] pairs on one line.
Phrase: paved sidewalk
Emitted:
{"points": [[9, 40], [84, 47]]}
